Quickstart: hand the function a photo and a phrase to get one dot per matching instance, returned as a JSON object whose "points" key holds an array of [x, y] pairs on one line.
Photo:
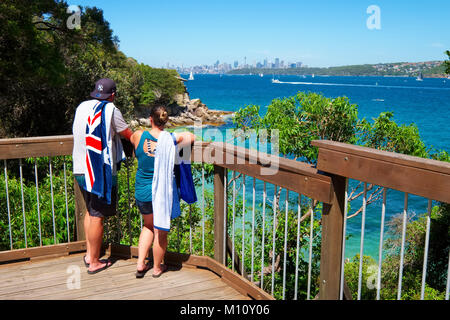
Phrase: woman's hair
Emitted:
{"points": [[159, 115]]}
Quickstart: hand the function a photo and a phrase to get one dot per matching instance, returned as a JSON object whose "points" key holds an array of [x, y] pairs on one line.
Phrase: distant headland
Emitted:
{"points": [[429, 69]]}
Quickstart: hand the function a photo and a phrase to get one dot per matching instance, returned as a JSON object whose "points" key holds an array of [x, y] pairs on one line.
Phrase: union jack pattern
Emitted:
{"points": [[97, 174]]}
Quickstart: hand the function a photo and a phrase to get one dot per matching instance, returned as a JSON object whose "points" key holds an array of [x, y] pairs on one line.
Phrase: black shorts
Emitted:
{"points": [[145, 207], [97, 207]]}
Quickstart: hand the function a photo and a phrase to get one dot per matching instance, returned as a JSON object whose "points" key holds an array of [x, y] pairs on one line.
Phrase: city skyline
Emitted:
{"points": [[321, 34], [404, 67], [225, 66]]}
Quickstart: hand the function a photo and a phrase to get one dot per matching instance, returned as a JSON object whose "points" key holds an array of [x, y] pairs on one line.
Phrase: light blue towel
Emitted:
{"points": [[165, 198]]}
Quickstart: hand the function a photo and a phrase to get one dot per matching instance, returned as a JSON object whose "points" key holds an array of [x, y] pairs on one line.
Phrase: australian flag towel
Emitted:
{"points": [[98, 175]]}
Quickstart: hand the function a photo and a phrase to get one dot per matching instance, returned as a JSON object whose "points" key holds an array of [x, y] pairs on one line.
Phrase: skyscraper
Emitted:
{"points": [[277, 62]]}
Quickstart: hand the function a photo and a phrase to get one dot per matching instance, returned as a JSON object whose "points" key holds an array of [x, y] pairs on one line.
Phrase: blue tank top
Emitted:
{"points": [[144, 173]]}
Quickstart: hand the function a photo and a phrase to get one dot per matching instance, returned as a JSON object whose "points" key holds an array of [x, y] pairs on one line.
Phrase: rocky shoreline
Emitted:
{"points": [[184, 112]]}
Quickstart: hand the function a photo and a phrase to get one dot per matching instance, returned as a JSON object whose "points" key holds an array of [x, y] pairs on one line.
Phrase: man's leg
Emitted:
{"points": [[95, 239], [87, 220]]}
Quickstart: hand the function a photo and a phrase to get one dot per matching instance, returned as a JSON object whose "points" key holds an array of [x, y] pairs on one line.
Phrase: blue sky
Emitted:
{"points": [[318, 33]]}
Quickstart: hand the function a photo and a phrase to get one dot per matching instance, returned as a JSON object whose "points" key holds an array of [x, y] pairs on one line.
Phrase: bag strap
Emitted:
{"points": [[174, 138]]}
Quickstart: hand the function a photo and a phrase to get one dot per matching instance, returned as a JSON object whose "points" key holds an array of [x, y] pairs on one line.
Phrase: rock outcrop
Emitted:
{"points": [[184, 112]]}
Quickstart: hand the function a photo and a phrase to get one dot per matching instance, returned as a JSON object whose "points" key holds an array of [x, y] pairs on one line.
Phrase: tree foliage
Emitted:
{"points": [[301, 119], [160, 85], [47, 69], [447, 62]]}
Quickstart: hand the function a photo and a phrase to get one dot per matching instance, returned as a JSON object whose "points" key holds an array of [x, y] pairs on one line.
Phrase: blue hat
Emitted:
{"points": [[103, 89]]}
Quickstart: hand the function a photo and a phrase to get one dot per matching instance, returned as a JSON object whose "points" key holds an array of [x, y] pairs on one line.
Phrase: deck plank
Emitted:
{"points": [[47, 280]]}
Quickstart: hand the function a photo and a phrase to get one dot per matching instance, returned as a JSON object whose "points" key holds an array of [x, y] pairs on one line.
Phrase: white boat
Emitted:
{"points": [[419, 77], [191, 76], [275, 81], [261, 75], [313, 75]]}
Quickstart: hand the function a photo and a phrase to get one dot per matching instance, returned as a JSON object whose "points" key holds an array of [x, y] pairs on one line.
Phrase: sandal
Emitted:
{"points": [[164, 268], [106, 266], [85, 263], [141, 274]]}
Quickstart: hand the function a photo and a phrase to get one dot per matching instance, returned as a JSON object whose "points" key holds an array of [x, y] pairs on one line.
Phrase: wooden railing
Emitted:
{"points": [[326, 184], [412, 175]]}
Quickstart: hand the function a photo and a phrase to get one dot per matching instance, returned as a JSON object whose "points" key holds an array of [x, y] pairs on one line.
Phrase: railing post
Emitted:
{"points": [[219, 216], [80, 211], [332, 232]]}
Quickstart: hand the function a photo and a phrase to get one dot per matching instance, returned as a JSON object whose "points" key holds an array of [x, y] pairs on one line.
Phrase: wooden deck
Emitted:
{"points": [[48, 279]]}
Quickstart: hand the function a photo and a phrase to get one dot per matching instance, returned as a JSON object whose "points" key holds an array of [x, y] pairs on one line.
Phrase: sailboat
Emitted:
{"points": [[191, 76], [275, 80], [419, 77]]}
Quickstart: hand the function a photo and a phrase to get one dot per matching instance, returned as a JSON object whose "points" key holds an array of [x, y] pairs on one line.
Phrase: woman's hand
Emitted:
{"points": [[185, 138]]}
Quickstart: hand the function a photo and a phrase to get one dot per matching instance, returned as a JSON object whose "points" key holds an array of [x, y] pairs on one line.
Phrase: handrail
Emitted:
{"points": [[388, 156], [290, 174], [424, 177], [326, 183], [17, 148]]}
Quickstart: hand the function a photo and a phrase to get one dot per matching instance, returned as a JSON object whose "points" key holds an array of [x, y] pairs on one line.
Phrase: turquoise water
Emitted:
{"points": [[425, 103]]}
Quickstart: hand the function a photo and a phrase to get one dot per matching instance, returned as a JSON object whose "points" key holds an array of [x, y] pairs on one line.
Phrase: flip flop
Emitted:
{"points": [[164, 268], [107, 265], [85, 263], [141, 274]]}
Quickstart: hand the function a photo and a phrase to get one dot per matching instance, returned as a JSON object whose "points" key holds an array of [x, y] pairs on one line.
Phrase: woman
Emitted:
{"points": [[145, 144]]}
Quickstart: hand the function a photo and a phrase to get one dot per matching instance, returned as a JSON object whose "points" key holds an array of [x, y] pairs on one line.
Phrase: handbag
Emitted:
{"points": [[185, 182]]}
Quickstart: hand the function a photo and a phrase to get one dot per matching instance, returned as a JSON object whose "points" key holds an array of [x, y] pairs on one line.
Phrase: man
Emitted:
{"points": [[97, 128]]}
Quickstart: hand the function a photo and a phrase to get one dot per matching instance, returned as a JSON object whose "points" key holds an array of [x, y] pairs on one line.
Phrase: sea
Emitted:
{"points": [[425, 103]]}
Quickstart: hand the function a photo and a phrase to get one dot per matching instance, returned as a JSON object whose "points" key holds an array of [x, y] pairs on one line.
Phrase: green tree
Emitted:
{"points": [[301, 119], [47, 69], [447, 62], [160, 85]]}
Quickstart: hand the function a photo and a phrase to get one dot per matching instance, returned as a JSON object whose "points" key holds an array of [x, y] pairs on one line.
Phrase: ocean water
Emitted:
{"points": [[425, 103]]}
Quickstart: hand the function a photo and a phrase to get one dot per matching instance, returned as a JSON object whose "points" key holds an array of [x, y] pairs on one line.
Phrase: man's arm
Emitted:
{"points": [[126, 134], [121, 127]]}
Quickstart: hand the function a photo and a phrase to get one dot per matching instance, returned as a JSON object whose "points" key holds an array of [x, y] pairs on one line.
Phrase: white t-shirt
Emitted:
{"points": [[82, 113]]}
